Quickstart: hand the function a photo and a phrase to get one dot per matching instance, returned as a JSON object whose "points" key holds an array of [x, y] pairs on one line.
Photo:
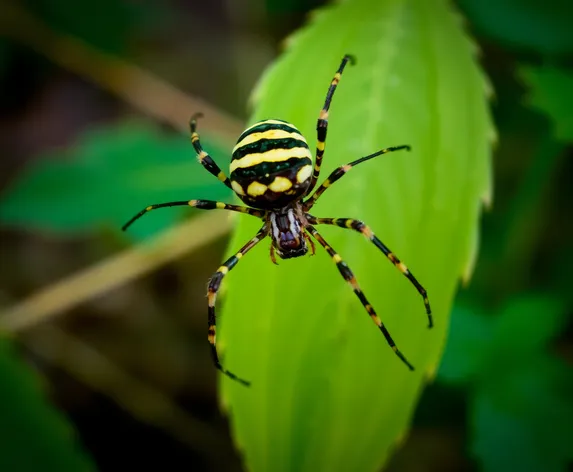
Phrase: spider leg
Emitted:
{"points": [[360, 227], [200, 204], [204, 158], [214, 286], [322, 123], [311, 243], [349, 277], [340, 171], [273, 257]]}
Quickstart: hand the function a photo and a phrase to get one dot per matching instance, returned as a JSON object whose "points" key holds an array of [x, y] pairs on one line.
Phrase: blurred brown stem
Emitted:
{"points": [[114, 271], [136, 86], [140, 399]]}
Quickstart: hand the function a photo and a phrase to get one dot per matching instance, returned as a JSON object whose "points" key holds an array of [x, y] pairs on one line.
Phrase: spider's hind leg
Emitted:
{"points": [[360, 227], [214, 287], [349, 277]]}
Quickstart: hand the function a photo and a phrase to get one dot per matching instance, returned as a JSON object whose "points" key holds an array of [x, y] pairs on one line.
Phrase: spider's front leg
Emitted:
{"points": [[199, 204], [205, 159], [322, 123]]}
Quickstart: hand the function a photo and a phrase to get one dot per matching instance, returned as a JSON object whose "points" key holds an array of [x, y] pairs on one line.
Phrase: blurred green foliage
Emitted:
{"points": [[539, 26], [32, 435], [550, 93], [108, 25], [109, 175], [519, 393]]}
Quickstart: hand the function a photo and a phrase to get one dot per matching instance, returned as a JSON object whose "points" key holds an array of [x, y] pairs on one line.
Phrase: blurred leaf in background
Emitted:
{"points": [[108, 25], [541, 26], [327, 392], [519, 394], [551, 93], [107, 177], [33, 436]]}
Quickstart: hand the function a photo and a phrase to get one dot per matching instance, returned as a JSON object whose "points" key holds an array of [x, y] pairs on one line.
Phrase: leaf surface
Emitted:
{"points": [[327, 392]]}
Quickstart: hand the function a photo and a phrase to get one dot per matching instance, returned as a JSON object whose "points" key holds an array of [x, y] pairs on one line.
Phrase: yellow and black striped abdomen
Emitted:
{"points": [[271, 165]]}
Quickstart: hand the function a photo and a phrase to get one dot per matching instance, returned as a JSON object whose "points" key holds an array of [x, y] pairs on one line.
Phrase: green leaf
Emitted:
{"points": [[33, 436], [543, 26], [484, 347], [520, 398], [550, 92], [111, 174], [327, 392], [524, 420], [468, 340], [107, 24]]}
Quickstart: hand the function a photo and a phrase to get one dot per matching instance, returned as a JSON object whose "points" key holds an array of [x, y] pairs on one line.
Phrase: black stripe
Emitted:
{"points": [[215, 281], [264, 145], [267, 126], [258, 172], [232, 262]]}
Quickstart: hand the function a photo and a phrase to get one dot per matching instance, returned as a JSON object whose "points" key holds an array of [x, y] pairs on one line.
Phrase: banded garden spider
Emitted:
{"points": [[271, 171]]}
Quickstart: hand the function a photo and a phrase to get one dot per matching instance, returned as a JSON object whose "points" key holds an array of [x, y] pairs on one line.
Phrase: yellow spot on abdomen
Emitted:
{"points": [[336, 258], [223, 269], [402, 267], [256, 189], [280, 184], [237, 188], [304, 173], [221, 205]]}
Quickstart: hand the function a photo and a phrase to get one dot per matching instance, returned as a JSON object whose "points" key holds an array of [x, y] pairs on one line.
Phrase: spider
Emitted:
{"points": [[271, 171]]}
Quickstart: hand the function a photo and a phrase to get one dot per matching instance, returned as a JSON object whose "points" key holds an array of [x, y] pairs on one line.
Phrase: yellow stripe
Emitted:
{"points": [[269, 134], [274, 155], [269, 122]]}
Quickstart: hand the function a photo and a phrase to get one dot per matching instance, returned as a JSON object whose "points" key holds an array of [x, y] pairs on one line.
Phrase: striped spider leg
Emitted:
{"points": [[351, 279], [215, 281], [322, 123], [361, 227], [205, 159], [215, 285]]}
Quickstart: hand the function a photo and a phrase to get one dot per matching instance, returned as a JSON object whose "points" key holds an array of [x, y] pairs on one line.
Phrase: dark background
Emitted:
{"points": [[131, 369]]}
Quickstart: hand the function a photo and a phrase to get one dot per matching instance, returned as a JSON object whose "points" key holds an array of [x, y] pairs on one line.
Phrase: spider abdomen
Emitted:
{"points": [[271, 165]]}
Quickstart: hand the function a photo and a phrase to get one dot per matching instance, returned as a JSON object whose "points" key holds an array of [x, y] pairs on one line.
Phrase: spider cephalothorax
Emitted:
{"points": [[272, 172]]}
